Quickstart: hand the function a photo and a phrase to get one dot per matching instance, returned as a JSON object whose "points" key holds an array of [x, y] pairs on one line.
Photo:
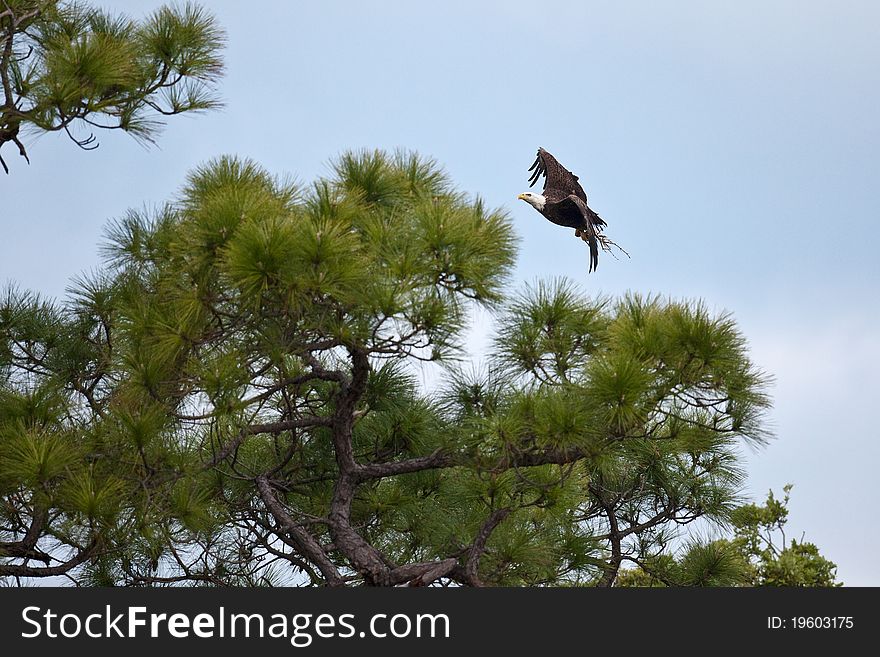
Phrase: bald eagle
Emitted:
{"points": [[564, 202]]}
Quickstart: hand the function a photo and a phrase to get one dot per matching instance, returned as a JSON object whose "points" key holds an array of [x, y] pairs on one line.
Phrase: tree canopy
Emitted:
{"points": [[68, 66], [233, 399]]}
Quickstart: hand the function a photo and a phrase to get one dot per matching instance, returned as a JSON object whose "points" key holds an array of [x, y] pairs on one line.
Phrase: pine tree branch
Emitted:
{"points": [[80, 557], [26, 547], [365, 558], [478, 547], [421, 574], [308, 546], [269, 427], [612, 566], [438, 459]]}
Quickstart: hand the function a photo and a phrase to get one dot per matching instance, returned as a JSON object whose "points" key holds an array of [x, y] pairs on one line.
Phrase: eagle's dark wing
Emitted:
{"points": [[587, 232], [558, 181]]}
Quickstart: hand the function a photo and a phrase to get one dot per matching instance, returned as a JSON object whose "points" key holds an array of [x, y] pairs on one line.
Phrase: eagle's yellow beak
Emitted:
{"points": [[521, 197]]}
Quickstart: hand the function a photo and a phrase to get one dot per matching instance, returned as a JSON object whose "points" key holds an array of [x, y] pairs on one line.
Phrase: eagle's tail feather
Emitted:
{"points": [[588, 235], [596, 223], [594, 252]]}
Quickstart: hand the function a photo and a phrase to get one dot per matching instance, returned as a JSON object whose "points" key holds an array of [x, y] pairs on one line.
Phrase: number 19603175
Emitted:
{"points": [[810, 623]]}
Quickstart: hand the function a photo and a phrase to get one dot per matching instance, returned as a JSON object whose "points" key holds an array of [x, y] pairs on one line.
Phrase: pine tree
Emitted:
{"points": [[67, 66], [232, 400]]}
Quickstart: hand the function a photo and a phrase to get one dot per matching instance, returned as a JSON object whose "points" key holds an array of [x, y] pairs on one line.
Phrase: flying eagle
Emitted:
{"points": [[564, 202]]}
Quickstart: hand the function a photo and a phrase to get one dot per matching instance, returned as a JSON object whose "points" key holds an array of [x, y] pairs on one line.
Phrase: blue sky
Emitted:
{"points": [[731, 147]]}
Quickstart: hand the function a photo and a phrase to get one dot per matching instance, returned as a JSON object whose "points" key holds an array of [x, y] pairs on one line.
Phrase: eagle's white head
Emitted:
{"points": [[537, 201]]}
